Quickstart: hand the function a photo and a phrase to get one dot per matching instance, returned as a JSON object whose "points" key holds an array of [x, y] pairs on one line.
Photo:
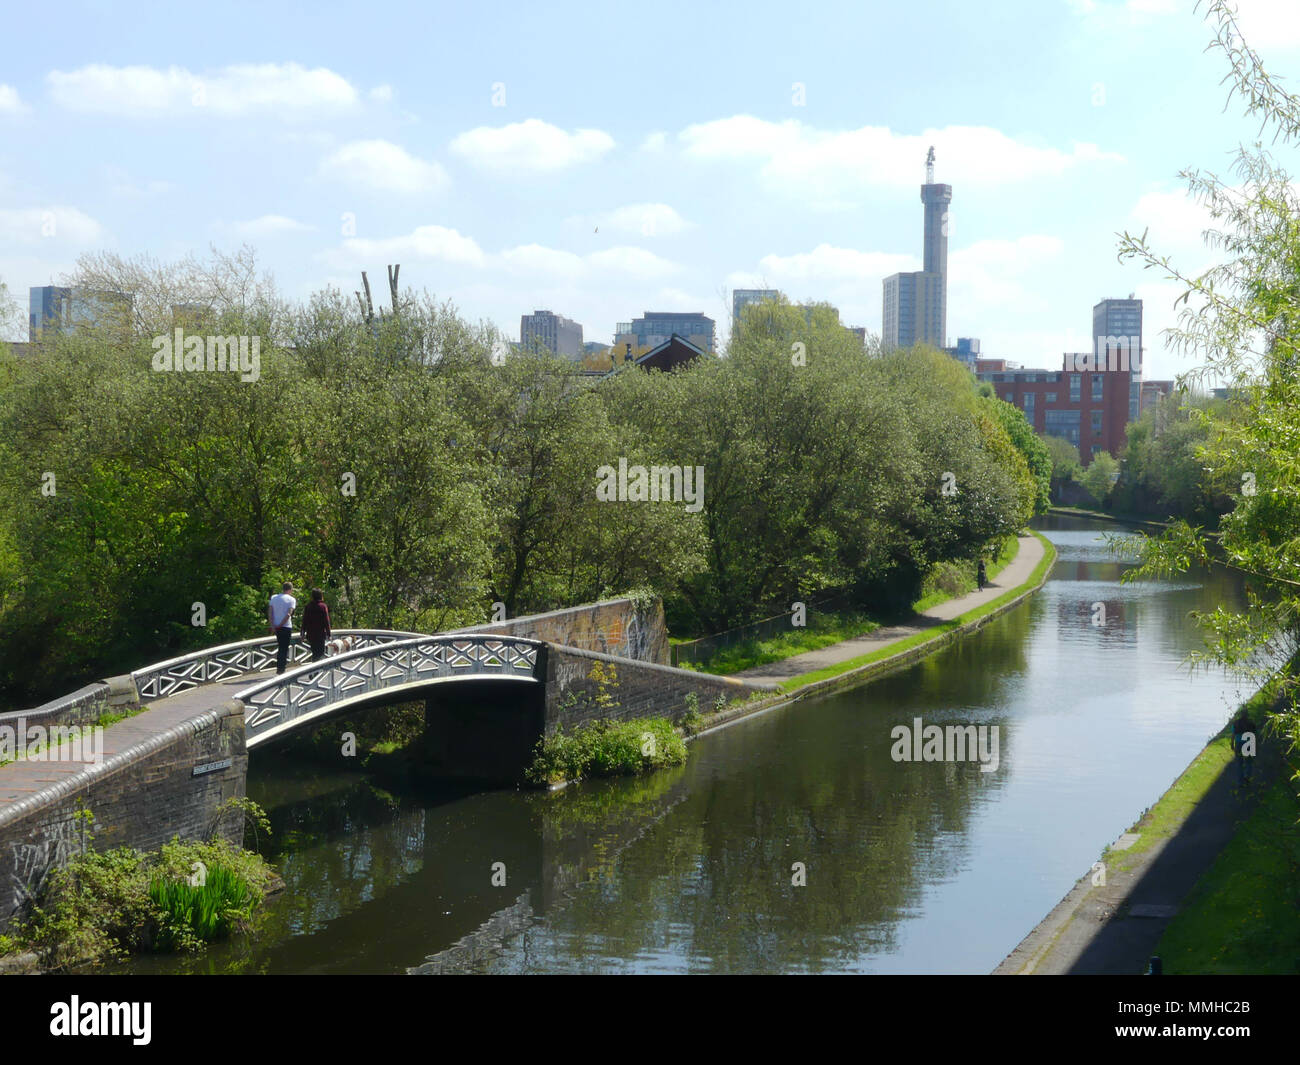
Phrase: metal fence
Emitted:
{"points": [[701, 650]]}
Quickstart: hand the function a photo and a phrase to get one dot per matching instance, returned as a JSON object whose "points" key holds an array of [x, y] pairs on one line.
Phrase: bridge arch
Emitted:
{"points": [[230, 660], [385, 671]]}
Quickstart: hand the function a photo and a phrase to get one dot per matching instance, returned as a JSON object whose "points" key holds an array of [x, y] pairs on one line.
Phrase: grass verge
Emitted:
{"points": [[934, 633], [1241, 917]]}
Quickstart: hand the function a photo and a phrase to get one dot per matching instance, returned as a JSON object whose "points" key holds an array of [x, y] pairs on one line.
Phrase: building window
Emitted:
{"points": [[1009, 396], [1029, 405], [1049, 397], [1076, 387], [1062, 423], [1096, 450], [1096, 423], [1097, 382]]}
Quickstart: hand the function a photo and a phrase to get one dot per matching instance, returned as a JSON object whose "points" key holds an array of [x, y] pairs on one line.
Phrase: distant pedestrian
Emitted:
{"points": [[279, 616], [981, 575], [316, 624], [1244, 743]]}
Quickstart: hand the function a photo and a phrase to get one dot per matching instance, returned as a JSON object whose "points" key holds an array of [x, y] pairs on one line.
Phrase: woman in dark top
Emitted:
{"points": [[316, 624]]}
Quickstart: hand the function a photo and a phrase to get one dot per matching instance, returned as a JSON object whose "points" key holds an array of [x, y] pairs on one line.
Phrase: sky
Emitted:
{"points": [[603, 160]]}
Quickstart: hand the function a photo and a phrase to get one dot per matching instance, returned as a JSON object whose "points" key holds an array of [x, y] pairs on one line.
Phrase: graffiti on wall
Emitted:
{"points": [[30, 863]]}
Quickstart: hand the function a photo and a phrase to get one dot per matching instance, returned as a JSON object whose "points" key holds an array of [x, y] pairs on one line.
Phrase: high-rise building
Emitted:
{"points": [[551, 331], [1117, 335], [916, 303], [654, 327], [49, 308], [743, 297], [913, 310], [54, 308]]}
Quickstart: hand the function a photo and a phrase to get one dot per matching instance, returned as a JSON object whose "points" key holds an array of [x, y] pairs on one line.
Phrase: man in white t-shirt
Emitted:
{"points": [[279, 616]]}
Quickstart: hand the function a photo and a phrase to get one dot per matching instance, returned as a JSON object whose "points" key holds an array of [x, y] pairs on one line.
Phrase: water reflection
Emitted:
{"points": [[910, 867]]}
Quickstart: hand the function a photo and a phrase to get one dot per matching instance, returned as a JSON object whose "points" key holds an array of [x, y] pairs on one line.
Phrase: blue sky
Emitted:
{"points": [[601, 162]]}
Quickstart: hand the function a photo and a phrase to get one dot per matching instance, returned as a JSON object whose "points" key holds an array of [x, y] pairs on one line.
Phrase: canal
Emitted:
{"points": [[907, 867]]}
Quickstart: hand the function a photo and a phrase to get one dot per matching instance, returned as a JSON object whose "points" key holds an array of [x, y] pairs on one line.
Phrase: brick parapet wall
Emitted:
{"points": [[637, 690], [141, 796], [617, 627]]}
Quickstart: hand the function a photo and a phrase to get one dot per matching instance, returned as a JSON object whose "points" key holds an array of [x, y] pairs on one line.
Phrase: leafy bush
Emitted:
{"points": [[199, 913], [607, 749], [104, 905]]}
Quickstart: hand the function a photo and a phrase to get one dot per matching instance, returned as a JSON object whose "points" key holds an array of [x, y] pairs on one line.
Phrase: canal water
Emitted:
{"points": [[789, 842]]}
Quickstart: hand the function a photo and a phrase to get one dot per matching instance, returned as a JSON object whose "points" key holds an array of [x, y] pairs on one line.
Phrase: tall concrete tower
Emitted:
{"points": [[936, 199]]}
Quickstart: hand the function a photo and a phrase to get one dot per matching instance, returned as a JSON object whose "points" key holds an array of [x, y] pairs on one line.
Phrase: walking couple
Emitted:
{"points": [[315, 623]]}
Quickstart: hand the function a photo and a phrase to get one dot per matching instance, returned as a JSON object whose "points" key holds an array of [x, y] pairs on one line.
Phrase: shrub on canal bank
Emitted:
{"points": [[106, 905], [607, 749]]}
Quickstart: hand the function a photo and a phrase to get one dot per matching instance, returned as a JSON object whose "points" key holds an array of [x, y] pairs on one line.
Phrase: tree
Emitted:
{"points": [[1240, 321], [1029, 444], [1100, 476], [1064, 457]]}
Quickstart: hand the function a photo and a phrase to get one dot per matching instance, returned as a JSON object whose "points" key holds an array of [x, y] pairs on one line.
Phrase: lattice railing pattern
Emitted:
{"points": [[270, 704], [235, 659]]}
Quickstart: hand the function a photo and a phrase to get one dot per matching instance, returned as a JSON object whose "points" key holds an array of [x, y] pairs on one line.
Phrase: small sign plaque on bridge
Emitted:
{"points": [[212, 767]]}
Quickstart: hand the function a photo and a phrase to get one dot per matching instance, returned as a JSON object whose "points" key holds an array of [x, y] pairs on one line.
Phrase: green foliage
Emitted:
{"points": [[1064, 457], [1241, 321], [1164, 463], [474, 478], [100, 905], [194, 913], [1037, 457], [823, 629], [606, 749], [1100, 476]]}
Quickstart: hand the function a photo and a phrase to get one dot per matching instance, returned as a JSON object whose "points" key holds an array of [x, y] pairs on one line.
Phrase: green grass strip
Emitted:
{"points": [[938, 631]]}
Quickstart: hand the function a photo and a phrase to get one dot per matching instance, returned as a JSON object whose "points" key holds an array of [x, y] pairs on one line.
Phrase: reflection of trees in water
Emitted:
{"points": [[712, 884]]}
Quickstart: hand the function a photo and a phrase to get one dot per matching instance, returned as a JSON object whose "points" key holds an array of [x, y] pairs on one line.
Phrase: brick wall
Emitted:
{"points": [[140, 797], [82, 707], [638, 689], [613, 627]]}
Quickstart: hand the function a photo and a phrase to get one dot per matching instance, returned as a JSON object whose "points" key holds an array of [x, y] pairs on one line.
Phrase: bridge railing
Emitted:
{"points": [[272, 705], [235, 659]]}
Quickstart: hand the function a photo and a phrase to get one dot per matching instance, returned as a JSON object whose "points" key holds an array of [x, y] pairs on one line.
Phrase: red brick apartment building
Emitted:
{"points": [[1090, 407]]}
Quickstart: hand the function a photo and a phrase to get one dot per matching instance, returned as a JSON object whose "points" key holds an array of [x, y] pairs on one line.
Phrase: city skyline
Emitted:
{"points": [[800, 174]]}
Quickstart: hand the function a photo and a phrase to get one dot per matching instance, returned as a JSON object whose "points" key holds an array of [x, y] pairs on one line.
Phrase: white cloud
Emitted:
{"points": [[31, 225], [654, 142], [384, 166], [10, 104], [988, 278], [830, 168], [1174, 220], [538, 261], [637, 219], [1269, 24], [531, 146], [381, 93], [542, 266], [424, 242], [826, 263], [268, 225], [635, 263], [283, 90], [120, 183]]}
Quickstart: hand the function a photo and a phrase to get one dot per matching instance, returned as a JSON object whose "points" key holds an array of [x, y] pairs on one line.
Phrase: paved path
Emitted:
{"points": [[1015, 574], [23, 779]]}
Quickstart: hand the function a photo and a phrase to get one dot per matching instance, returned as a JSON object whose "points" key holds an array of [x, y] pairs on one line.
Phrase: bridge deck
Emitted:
{"points": [[22, 779]]}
